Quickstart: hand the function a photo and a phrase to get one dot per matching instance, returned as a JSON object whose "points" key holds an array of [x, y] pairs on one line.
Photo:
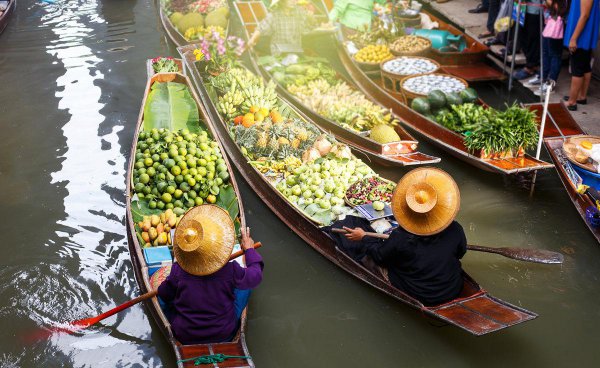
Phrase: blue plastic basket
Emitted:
{"points": [[589, 178], [592, 215]]}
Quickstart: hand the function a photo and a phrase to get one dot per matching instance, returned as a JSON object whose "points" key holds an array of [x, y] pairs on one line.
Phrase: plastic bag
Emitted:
{"points": [[503, 20]]}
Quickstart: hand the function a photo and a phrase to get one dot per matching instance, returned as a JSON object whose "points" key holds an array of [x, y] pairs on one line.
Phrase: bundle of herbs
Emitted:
{"points": [[491, 131]]}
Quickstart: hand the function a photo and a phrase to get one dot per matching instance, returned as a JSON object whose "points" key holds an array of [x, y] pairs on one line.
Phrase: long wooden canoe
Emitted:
{"points": [[238, 346], [5, 17], [444, 138], [474, 311], [469, 64], [560, 125], [401, 153]]}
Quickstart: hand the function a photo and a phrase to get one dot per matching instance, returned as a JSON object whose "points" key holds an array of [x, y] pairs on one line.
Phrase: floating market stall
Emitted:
{"points": [[563, 138], [310, 184], [176, 164], [455, 119], [335, 104], [186, 22]]}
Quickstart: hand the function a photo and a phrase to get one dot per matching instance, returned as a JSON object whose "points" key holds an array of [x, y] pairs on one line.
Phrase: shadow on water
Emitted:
{"points": [[72, 79]]}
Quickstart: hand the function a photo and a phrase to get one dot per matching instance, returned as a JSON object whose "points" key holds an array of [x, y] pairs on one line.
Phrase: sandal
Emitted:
{"points": [[580, 102], [571, 107]]}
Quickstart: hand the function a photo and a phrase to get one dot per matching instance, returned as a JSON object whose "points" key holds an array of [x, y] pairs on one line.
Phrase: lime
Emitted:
{"points": [[155, 157], [202, 171], [192, 194], [160, 205], [182, 164], [191, 163], [139, 156], [171, 189], [151, 171], [175, 170], [140, 195], [169, 163], [166, 197], [199, 201], [139, 164], [162, 176], [162, 186], [164, 156], [178, 193], [147, 190], [148, 161], [179, 179], [191, 182], [190, 203], [193, 172], [139, 187], [152, 204], [182, 152], [173, 153], [210, 175], [185, 172], [144, 178], [202, 162], [162, 169], [169, 206], [211, 198], [178, 204], [219, 181]]}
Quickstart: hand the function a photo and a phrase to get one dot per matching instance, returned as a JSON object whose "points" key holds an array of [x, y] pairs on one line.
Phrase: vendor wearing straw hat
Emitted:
{"points": [[208, 293], [422, 255]]}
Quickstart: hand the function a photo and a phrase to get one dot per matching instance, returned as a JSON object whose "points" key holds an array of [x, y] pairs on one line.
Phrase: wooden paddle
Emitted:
{"points": [[87, 322], [521, 254]]}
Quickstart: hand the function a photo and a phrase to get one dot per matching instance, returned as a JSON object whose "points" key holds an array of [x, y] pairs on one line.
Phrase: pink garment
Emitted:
{"points": [[554, 28]]}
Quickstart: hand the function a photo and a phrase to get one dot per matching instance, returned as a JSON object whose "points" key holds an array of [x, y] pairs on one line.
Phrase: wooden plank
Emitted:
{"points": [[468, 319], [496, 311], [474, 72]]}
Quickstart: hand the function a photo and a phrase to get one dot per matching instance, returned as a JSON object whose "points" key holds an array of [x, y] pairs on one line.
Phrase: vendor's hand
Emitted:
{"points": [[355, 234], [572, 45], [247, 241]]}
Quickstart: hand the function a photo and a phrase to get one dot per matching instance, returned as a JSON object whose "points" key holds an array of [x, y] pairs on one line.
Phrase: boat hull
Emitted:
{"points": [[238, 346], [5, 17]]}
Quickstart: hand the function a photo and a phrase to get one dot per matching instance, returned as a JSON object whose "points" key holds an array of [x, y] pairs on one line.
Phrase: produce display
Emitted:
{"points": [[154, 230], [373, 54], [164, 65], [423, 84], [316, 84], [178, 170], [195, 19], [410, 44], [310, 169], [379, 33], [370, 190], [406, 65]]}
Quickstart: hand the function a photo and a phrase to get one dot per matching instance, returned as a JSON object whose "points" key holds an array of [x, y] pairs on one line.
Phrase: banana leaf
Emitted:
{"points": [[139, 209], [228, 201], [171, 106]]}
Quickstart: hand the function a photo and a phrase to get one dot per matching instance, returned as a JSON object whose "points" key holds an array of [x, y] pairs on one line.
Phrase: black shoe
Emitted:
{"points": [[478, 9], [571, 107], [580, 102]]}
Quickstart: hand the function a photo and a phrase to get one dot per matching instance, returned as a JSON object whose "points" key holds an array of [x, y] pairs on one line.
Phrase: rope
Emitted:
{"points": [[212, 359]]}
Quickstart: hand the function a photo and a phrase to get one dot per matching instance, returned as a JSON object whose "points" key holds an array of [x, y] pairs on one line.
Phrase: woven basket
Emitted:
{"points": [[423, 52], [391, 81], [367, 67], [411, 95]]}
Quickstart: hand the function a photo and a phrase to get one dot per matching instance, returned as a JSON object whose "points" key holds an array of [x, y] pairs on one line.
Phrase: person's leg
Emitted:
{"points": [[587, 77], [531, 47], [555, 63], [546, 58], [241, 301], [494, 8]]}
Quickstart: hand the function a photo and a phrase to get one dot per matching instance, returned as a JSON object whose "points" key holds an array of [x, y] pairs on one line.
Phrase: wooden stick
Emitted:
{"points": [[521, 254]]}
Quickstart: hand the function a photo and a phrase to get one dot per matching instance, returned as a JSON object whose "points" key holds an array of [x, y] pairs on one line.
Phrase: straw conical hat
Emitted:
{"points": [[204, 239], [425, 201]]}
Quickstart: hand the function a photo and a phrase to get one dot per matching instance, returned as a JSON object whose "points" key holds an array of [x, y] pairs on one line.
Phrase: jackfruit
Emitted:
{"points": [[224, 11], [384, 134], [190, 20], [175, 17], [216, 18]]}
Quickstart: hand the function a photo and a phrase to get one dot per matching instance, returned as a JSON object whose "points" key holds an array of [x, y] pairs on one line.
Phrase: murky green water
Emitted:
{"points": [[72, 77]]}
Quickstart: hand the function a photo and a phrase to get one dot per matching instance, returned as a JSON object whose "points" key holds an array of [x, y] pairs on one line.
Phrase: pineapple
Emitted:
{"points": [[273, 144], [262, 140], [283, 141], [296, 143], [302, 134]]}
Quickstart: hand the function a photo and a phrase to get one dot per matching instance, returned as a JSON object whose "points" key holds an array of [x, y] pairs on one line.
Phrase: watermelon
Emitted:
{"points": [[421, 105], [469, 95], [453, 98], [441, 111], [437, 99]]}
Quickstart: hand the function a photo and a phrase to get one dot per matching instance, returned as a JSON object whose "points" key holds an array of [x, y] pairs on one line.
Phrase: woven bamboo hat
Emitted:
{"points": [[425, 201], [204, 239]]}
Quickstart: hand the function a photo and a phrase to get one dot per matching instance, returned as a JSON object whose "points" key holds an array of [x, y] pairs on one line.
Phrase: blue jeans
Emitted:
{"points": [[552, 58], [241, 301]]}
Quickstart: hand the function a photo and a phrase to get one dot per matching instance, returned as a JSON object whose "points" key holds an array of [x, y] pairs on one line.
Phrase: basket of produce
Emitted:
{"points": [[195, 20], [394, 70], [410, 46], [369, 190], [420, 85], [438, 102], [369, 58]]}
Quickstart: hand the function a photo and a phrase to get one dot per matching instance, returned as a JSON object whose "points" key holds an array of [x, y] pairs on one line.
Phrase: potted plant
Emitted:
{"points": [[217, 53]]}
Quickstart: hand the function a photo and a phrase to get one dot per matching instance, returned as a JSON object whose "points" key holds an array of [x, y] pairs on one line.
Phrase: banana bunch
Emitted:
{"points": [[258, 95], [229, 103]]}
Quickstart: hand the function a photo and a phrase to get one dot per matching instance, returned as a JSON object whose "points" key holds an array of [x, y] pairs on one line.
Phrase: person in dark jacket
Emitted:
{"points": [[206, 292], [421, 256]]}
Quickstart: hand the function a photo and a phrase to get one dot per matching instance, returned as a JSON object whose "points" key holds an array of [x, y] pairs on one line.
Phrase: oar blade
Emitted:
{"points": [[533, 255]]}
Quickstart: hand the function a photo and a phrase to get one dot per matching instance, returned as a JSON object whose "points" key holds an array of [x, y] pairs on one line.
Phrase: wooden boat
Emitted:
{"points": [[238, 346], [474, 310], [5, 17], [401, 153], [469, 64], [560, 125], [444, 138]]}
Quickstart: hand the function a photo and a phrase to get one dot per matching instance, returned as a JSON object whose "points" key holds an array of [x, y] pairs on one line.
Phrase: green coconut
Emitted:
{"points": [[175, 17], [190, 20]]}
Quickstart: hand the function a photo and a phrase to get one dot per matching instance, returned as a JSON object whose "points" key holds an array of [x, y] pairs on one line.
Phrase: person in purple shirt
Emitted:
{"points": [[207, 304]]}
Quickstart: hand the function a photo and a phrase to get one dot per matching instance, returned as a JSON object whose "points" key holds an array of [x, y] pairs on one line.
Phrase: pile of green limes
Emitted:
{"points": [[178, 170]]}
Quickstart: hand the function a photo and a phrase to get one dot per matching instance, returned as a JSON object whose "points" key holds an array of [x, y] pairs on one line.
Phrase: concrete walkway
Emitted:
{"points": [[588, 116]]}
